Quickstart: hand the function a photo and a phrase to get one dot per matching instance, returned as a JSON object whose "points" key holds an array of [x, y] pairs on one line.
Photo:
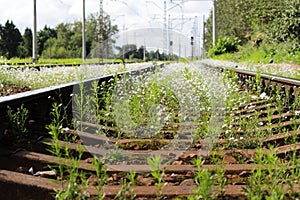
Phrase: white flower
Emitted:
{"points": [[250, 107], [260, 123], [264, 96]]}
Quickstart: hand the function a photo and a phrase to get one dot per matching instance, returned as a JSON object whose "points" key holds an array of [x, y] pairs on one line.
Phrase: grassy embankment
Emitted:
{"points": [[264, 54]]}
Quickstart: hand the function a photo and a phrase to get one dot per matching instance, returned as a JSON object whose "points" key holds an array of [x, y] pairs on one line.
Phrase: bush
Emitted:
{"points": [[224, 45]]}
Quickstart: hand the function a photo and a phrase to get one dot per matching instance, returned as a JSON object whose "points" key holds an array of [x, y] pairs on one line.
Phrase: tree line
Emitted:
{"points": [[131, 52], [65, 41], [257, 21]]}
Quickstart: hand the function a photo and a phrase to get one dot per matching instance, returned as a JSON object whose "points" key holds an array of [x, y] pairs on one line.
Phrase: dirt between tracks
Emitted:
{"points": [[6, 90]]}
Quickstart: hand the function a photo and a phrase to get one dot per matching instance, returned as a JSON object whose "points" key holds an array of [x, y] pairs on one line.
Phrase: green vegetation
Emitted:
{"points": [[63, 41], [157, 172], [224, 45], [18, 119], [240, 132], [268, 30], [265, 54], [45, 77], [63, 44]]}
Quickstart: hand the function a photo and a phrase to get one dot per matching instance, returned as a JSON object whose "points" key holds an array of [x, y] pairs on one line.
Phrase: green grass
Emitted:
{"points": [[63, 61], [264, 54], [261, 183]]}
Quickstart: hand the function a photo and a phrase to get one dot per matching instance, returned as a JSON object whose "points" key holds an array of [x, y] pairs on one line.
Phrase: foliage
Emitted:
{"points": [[42, 36], [287, 52], [131, 52], [17, 121], [224, 45], [257, 20], [25, 49], [156, 171], [99, 36], [10, 39], [63, 41]]}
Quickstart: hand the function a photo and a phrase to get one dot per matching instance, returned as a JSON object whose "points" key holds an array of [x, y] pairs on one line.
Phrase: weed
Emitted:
{"points": [[157, 172], [17, 120], [74, 181], [127, 188], [221, 180], [203, 180], [101, 176]]}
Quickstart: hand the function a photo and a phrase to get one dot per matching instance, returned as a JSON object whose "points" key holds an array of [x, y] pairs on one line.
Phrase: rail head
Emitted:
{"points": [[48, 91], [273, 78]]}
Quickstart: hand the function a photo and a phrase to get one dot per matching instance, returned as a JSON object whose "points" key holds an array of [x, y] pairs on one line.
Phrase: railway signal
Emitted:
{"points": [[192, 45]]}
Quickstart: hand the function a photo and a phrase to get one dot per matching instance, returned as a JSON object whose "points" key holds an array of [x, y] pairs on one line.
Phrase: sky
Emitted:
{"points": [[127, 14]]}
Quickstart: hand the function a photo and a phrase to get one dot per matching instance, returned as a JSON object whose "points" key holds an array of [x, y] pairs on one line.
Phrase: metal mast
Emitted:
{"points": [[214, 21], [100, 31], [83, 32], [34, 38], [203, 37], [165, 28], [195, 34], [101, 10]]}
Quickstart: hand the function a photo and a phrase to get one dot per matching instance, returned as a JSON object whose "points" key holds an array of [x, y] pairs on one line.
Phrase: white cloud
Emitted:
{"points": [[131, 14]]}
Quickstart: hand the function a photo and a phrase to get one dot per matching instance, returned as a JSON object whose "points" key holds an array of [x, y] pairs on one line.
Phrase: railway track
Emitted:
{"points": [[255, 155]]}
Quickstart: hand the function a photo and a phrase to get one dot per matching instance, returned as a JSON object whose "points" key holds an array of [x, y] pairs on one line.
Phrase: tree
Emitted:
{"points": [[140, 53], [2, 46], [43, 36], [257, 20], [25, 49], [75, 42], [11, 38], [232, 21], [100, 34], [66, 44], [127, 51]]}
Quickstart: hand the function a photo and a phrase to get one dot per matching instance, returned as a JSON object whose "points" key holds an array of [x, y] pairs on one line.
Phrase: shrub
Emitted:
{"points": [[224, 45]]}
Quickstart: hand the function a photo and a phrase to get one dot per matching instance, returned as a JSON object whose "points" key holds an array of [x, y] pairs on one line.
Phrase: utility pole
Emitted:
{"points": [[203, 48], [34, 38], [100, 32], [165, 28], [83, 32], [195, 33], [169, 35], [214, 21], [144, 51]]}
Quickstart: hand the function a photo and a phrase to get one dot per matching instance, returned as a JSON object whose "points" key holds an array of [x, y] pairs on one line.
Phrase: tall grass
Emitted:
{"points": [[265, 54]]}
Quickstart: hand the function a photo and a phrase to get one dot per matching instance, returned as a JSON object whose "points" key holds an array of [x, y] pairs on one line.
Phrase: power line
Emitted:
{"points": [[214, 16]]}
